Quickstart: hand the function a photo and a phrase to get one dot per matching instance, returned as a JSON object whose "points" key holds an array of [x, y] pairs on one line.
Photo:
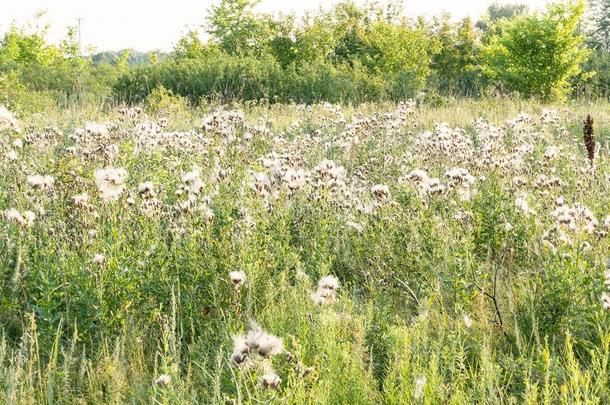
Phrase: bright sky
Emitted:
{"points": [[157, 25]]}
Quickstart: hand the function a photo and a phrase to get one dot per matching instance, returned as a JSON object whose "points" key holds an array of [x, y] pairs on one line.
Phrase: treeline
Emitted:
{"points": [[349, 53]]}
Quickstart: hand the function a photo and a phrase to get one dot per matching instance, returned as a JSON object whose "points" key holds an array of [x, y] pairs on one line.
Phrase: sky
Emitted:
{"points": [[157, 25]]}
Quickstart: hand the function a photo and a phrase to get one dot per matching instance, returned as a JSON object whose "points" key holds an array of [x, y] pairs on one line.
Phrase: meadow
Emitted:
{"points": [[325, 254]]}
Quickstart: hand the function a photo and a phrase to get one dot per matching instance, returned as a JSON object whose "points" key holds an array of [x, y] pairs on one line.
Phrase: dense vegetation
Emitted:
{"points": [[294, 254], [324, 211], [349, 53]]}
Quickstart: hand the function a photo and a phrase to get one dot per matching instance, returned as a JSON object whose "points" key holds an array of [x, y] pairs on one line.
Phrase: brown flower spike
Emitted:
{"points": [[589, 138]]}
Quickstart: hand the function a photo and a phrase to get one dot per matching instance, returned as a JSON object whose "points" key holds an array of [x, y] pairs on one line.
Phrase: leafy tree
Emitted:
{"points": [[190, 46], [497, 12], [537, 55], [237, 29], [454, 64], [315, 38], [599, 24], [283, 45]]}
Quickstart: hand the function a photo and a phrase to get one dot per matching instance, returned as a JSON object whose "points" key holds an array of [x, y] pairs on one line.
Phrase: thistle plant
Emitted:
{"points": [[589, 138]]}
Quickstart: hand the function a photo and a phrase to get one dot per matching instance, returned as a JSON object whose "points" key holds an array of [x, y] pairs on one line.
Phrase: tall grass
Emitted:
{"points": [[440, 300]]}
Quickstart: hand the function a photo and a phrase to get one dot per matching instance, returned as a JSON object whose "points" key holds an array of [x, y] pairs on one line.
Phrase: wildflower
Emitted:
{"points": [[110, 182], [29, 217], [81, 200], [321, 297], [523, 206], [11, 155], [356, 226], [240, 350], [237, 277], [261, 184], [99, 259], [266, 344], [13, 215], [327, 290], [551, 152], [328, 283], [271, 380], [192, 182], [145, 188], [560, 201], [7, 119], [418, 391], [380, 191], [163, 380], [607, 278], [98, 130], [40, 182], [606, 301], [23, 219], [467, 321], [92, 234], [418, 176]]}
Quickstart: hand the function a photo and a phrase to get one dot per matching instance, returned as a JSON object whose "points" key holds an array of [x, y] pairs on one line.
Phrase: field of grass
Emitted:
{"points": [[379, 254]]}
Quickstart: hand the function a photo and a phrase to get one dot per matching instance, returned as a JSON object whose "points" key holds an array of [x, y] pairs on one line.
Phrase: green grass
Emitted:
{"points": [[441, 299]]}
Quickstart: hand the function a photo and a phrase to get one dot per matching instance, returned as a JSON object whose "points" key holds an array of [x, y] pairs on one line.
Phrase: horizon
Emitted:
{"points": [[115, 25]]}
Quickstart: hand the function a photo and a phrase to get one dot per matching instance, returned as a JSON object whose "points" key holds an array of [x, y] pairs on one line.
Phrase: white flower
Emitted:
{"points": [[356, 226], [98, 130], [81, 200], [551, 152], [111, 183], [15, 216], [30, 217], [467, 321], [40, 182], [266, 344], [237, 277], [606, 301], [163, 380], [380, 191], [523, 206], [418, 391], [23, 219], [323, 296], [145, 188], [240, 350], [7, 119], [192, 182], [11, 155], [99, 259], [327, 290], [328, 283], [271, 380]]}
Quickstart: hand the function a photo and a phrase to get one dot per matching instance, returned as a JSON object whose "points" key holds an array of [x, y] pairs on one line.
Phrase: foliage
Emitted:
{"points": [[443, 297], [537, 56]]}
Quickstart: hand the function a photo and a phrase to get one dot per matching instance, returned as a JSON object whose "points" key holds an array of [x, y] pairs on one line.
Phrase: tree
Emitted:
{"points": [[454, 63], [537, 55], [598, 29], [190, 46], [497, 12], [237, 29]]}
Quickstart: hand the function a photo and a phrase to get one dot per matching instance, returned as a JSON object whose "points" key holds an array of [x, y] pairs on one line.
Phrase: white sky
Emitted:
{"points": [[157, 25]]}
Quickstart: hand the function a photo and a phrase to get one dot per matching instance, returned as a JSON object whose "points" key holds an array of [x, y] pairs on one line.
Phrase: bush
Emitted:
{"points": [[243, 78]]}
